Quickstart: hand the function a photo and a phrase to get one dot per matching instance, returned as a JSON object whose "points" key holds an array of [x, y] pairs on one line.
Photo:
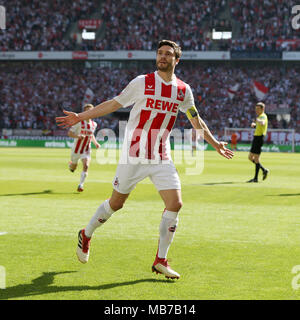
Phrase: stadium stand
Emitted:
{"points": [[35, 25], [53, 25], [263, 26], [33, 93]]}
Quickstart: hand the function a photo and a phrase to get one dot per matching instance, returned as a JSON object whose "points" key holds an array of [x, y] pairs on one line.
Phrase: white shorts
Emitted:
{"points": [[75, 157], [163, 176]]}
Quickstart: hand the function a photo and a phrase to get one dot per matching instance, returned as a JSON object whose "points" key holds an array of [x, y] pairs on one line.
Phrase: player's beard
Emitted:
{"points": [[164, 68]]}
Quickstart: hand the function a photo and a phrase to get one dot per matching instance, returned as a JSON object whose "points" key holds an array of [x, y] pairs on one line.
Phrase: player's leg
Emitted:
{"points": [[105, 211], [84, 173], [102, 214], [169, 220], [72, 166], [254, 155], [265, 172], [258, 166], [73, 162], [172, 199], [251, 157], [124, 181], [167, 228], [166, 180]]}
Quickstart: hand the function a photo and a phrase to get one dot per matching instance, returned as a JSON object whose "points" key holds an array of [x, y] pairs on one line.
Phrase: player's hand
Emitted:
{"points": [[223, 151], [253, 125], [69, 120], [81, 136], [97, 146]]}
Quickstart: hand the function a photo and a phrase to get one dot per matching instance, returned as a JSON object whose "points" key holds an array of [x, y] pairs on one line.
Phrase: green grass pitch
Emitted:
{"points": [[234, 240]]}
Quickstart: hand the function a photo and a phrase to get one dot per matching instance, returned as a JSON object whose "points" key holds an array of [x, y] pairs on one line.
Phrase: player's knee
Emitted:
{"points": [[116, 204], [175, 206], [85, 168], [179, 205], [72, 166]]}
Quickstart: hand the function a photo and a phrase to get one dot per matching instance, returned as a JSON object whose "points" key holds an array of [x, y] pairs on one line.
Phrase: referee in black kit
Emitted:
{"points": [[261, 127]]}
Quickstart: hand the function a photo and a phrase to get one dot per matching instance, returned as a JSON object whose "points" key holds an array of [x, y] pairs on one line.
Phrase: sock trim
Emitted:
{"points": [[170, 214], [107, 207]]}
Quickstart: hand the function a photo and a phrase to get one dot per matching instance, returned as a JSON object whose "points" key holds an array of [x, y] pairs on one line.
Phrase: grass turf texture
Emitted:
{"points": [[234, 240]]}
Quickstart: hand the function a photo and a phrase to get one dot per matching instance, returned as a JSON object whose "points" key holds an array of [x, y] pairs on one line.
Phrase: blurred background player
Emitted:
{"points": [[83, 134], [233, 141], [261, 127]]}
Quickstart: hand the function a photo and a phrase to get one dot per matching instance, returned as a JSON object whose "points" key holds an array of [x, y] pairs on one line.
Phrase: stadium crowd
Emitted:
{"points": [[133, 28], [35, 25], [264, 25], [33, 94], [41, 25]]}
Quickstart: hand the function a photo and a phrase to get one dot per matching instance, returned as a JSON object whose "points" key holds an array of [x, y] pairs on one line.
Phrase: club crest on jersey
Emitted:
{"points": [[181, 88], [180, 95]]}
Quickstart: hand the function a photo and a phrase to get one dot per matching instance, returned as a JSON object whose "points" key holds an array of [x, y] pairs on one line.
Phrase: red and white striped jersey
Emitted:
{"points": [[86, 128], [155, 107]]}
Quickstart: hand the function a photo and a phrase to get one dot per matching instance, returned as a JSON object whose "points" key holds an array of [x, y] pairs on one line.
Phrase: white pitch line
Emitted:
{"points": [[3, 233]]}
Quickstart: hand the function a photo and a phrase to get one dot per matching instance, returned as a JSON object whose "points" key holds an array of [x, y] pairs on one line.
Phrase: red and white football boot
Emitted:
{"points": [[162, 266], [83, 247]]}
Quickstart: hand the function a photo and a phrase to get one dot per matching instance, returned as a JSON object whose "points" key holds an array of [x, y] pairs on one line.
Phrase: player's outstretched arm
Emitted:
{"points": [[220, 146], [100, 110], [95, 142]]}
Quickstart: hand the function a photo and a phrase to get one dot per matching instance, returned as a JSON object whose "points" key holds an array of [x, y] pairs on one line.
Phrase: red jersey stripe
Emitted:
{"points": [[150, 84], [153, 133], [84, 144], [88, 144], [77, 145], [134, 150], [166, 91], [162, 145]]}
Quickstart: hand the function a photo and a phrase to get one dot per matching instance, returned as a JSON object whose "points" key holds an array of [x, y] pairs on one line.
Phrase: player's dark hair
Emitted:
{"points": [[172, 44]]}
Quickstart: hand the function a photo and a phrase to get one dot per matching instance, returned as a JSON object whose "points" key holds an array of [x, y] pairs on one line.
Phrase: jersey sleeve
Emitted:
{"points": [[131, 93], [188, 102]]}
